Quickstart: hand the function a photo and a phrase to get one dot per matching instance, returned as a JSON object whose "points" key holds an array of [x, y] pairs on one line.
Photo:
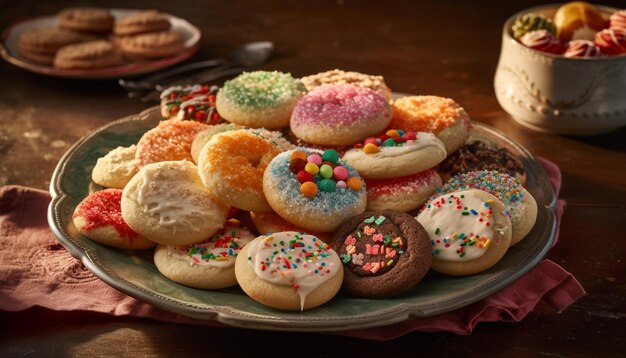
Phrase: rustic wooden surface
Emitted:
{"points": [[443, 48]]}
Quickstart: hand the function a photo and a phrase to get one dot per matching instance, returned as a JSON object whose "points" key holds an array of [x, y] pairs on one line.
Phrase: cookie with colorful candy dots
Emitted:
{"points": [[169, 140], [611, 41], [172, 97], [617, 20], [396, 154], [209, 264], [478, 155], [582, 49], [403, 193], [167, 203], [269, 222], [231, 165], [289, 271], [542, 40], [116, 168], [440, 116], [520, 205], [260, 99], [314, 190], [99, 217], [385, 253], [469, 231], [335, 115], [577, 20], [340, 77]]}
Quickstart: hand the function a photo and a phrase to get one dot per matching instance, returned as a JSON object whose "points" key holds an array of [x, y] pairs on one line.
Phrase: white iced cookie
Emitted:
{"points": [[469, 231], [209, 264], [167, 203], [115, 169], [396, 156], [289, 270]]}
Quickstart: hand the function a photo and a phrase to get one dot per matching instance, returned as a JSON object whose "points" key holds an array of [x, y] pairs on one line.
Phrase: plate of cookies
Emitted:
{"points": [[97, 43], [321, 203]]}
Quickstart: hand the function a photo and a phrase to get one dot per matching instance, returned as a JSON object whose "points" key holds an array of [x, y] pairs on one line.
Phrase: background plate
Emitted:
{"points": [[135, 274], [9, 49]]}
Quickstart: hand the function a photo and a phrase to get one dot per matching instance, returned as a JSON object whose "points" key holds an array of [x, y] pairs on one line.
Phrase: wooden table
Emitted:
{"points": [[435, 47]]}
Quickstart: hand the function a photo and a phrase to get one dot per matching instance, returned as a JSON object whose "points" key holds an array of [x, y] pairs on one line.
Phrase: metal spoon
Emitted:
{"points": [[250, 54]]}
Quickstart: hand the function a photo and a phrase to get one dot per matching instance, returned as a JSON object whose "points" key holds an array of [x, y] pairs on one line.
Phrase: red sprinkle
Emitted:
{"points": [[103, 208]]}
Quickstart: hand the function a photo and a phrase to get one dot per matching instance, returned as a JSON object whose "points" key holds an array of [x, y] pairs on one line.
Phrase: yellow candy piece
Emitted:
{"points": [[354, 183], [370, 148], [577, 20], [311, 168], [393, 133], [308, 189]]}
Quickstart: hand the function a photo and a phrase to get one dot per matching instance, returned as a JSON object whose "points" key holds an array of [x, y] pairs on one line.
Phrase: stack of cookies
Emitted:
{"points": [[89, 38]]}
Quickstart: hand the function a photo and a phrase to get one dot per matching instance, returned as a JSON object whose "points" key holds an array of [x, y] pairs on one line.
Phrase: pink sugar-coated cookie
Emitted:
{"points": [[170, 140], [99, 217], [402, 194], [339, 115]]}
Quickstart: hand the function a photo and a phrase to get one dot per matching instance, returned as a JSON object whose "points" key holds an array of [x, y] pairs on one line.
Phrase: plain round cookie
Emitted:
{"points": [[151, 45], [308, 199], [116, 168], [260, 99], [40, 45], [289, 271], [385, 253], [231, 165], [468, 229], [402, 193], [99, 217], [207, 265], [441, 116], [339, 77], [520, 205], [86, 19], [169, 140], [396, 158], [167, 203], [87, 55], [142, 22], [339, 115]]}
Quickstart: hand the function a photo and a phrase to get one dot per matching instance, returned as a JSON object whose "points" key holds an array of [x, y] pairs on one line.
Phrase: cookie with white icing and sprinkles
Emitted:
{"points": [[289, 270], [469, 231], [520, 205], [385, 253], [314, 190], [260, 99], [209, 264]]}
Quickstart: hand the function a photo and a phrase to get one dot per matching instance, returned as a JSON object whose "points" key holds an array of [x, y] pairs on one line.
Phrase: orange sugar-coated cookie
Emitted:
{"points": [[170, 140]]}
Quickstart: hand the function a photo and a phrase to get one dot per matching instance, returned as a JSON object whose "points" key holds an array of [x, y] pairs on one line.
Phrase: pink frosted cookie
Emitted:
{"points": [[99, 217], [403, 193], [340, 115]]}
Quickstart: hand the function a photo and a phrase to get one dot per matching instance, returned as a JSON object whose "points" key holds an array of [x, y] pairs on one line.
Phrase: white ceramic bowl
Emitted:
{"points": [[551, 93]]}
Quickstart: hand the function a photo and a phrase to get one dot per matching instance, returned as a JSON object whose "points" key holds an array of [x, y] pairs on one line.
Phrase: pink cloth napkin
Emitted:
{"points": [[35, 270]]}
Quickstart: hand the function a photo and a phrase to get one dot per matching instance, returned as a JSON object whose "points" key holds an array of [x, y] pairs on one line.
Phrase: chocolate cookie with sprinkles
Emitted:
{"points": [[385, 253], [173, 97]]}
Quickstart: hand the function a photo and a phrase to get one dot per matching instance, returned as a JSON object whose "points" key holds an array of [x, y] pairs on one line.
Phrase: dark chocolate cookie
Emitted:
{"points": [[385, 253], [477, 156]]}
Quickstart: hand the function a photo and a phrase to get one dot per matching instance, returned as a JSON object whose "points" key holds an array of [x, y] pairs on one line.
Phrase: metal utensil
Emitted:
{"points": [[249, 55]]}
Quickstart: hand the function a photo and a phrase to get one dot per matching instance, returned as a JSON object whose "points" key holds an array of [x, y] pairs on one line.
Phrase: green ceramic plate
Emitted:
{"points": [[135, 274]]}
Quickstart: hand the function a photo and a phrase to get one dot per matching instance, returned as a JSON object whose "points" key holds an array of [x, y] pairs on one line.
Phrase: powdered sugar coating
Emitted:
{"points": [[339, 105]]}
